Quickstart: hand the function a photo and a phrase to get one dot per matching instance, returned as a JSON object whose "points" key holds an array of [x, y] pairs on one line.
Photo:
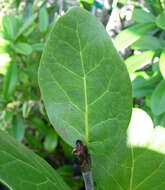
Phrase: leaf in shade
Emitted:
{"points": [[160, 21], [78, 83], [10, 81], [148, 43], [131, 34], [43, 19], [20, 168], [137, 161], [158, 99], [162, 63], [51, 141], [135, 62], [18, 128], [141, 16], [22, 48]]}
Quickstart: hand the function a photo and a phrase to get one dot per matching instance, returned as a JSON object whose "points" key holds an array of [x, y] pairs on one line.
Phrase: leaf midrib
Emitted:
{"points": [[85, 87]]}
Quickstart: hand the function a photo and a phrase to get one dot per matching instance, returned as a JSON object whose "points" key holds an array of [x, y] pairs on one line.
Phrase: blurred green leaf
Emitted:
{"points": [[22, 169], [43, 19], [147, 43], [10, 81], [160, 21], [128, 36], [162, 63], [141, 16], [51, 141], [155, 6], [26, 24], [39, 124], [38, 47], [135, 62], [10, 27], [18, 128], [158, 99], [22, 48]]}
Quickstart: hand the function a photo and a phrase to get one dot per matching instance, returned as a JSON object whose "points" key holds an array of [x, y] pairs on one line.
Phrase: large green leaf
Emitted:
{"points": [[21, 169], [158, 99], [84, 83], [137, 162], [131, 34], [141, 16]]}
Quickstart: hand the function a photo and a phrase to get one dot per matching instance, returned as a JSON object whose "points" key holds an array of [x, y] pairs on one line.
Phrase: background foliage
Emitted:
{"points": [[24, 28]]}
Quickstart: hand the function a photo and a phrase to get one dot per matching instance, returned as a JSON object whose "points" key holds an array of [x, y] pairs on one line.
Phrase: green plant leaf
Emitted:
{"points": [[18, 128], [38, 46], [144, 85], [10, 27], [137, 161], [26, 24], [10, 81], [22, 48], [162, 63], [158, 99], [132, 34], [43, 19], [21, 169], [135, 62], [147, 43], [160, 21], [51, 141], [78, 82], [141, 16]]}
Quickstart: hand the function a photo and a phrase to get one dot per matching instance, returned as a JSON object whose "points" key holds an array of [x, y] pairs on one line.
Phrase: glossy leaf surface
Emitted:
{"points": [[131, 34], [137, 161], [21, 169], [83, 97]]}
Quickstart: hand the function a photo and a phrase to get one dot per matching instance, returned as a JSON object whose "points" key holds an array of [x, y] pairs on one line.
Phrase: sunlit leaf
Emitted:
{"points": [[141, 16], [78, 82], [21, 169], [162, 63], [135, 62], [128, 36], [148, 43], [137, 161], [158, 99]]}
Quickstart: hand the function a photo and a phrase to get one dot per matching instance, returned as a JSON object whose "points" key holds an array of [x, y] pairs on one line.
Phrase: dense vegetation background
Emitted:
{"points": [[137, 29]]}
